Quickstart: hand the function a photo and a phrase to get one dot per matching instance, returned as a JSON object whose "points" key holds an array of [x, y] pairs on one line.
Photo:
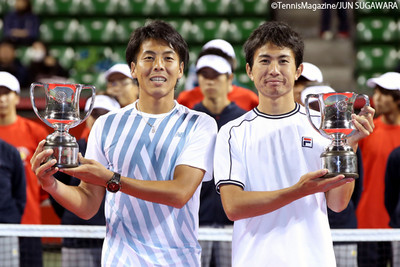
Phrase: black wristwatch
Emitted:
{"points": [[114, 184]]}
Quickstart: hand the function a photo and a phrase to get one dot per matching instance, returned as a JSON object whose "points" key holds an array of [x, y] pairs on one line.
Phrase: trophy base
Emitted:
{"points": [[66, 155], [66, 166], [346, 175], [340, 162]]}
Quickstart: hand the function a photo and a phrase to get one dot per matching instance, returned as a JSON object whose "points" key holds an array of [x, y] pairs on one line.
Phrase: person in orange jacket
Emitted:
{"points": [[243, 97]]}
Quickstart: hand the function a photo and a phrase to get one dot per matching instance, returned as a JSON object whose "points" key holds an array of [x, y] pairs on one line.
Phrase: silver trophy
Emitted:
{"points": [[336, 124], [62, 113]]}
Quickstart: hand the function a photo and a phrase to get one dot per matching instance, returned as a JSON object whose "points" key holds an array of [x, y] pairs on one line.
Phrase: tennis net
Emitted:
{"points": [[353, 247]]}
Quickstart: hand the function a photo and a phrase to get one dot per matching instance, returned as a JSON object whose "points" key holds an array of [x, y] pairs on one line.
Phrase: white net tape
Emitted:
{"points": [[207, 234], [20, 245]]}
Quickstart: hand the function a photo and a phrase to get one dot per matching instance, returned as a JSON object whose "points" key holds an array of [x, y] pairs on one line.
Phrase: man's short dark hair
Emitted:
{"points": [[276, 33], [158, 30]]}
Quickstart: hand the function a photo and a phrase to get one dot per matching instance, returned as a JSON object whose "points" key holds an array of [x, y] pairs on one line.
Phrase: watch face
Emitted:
{"points": [[114, 184], [113, 187]]}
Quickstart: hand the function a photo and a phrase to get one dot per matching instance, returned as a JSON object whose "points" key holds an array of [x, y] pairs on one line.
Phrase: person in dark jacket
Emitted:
{"points": [[11, 64], [392, 188], [21, 25], [214, 70], [12, 199], [13, 184], [392, 196]]}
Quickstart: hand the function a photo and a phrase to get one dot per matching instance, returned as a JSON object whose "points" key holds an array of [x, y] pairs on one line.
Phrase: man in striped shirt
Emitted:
{"points": [[151, 155]]}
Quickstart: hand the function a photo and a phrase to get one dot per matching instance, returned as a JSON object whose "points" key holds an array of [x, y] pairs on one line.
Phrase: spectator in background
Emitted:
{"points": [[10, 63], [345, 253], [24, 134], [392, 197], [21, 26], [12, 199], [121, 85], [244, 98], [214, 74], [79, 252], [13, 184], [311, 75], [44, 67], [326, 20], [375, 149], [314, 89]]}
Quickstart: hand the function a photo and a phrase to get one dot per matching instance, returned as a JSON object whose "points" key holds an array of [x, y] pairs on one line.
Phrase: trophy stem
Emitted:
{"points": [[65, 149], [61, 127], [340, 144], [339, 158]]}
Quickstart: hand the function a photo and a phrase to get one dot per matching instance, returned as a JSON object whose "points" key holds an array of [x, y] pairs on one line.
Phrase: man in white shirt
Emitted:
{"points": [[267, 165]]}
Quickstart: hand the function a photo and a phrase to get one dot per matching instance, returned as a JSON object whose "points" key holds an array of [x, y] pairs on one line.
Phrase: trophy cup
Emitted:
{"points": [[62, 113], [336, 124]]}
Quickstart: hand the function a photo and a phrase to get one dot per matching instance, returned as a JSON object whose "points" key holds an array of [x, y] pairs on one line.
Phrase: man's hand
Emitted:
{"points": [[312, 182], [90, 171], [364, 124], [44, 170]]}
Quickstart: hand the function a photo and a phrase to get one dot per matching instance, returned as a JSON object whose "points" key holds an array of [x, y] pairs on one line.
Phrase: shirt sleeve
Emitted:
{"points": [[199, 150], [228, 161], [94, 147]]}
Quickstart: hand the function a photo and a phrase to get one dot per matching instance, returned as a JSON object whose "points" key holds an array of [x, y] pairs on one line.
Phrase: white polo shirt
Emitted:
{"points": [[261, 152]]}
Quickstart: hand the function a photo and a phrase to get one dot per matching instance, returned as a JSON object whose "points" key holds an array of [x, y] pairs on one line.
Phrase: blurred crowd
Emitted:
{"points": [[21, 31]]}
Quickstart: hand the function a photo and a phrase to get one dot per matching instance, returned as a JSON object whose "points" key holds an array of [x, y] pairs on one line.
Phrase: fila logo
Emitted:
{"points": [[307, 142]]}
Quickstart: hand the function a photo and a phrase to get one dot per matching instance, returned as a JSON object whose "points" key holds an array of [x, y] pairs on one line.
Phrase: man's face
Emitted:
{"points": [[384, 102], [21, 4], [157, 69], [274, 70], [122, 88], [7, 53], [8, 101], [213, 84]]}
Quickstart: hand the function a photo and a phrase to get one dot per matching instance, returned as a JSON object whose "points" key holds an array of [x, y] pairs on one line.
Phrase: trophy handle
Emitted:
{"points": [[367, 103], [90, 107], [366, 98], [308, 110], [32, 90]]}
